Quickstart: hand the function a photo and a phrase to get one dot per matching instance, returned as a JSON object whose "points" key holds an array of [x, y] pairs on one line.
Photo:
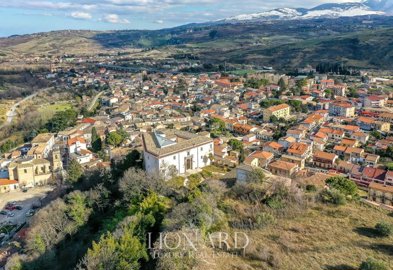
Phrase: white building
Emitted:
{"points": [[172, 152], [76, 145]]}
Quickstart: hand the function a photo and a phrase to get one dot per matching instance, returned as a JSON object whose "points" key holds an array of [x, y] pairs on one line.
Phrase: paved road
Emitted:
{"points": [[12, 112], [93, 102]]}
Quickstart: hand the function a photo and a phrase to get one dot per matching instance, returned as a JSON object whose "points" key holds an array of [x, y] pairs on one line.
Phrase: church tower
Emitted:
{"points": [[57, 164]]}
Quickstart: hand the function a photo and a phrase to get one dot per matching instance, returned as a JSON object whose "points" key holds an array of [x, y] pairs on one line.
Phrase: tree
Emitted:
{"points": [[343, 185], [329, 93], [332, 196], [78, 209], [132, 160], [352, 92], [74, 171], [372, 264], [181, 86], [62, 120], [96, 142], [377, 135], [296, 105], [135, 184], [256, 176], [236, 144], [266, 103], [114, 138], [217, 127], [274, 119], [255, 83], [282, 84], [301, 83]]}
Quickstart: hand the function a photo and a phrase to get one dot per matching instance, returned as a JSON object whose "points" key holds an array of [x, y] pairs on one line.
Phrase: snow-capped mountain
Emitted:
{"points": [[369, 7]]}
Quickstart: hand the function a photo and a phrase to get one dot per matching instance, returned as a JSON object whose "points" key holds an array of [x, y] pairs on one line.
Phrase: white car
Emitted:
{"points": [[30, 213]]}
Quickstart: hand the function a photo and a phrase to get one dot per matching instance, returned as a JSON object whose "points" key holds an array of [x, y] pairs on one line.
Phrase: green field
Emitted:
{"points": [[49, 110]]}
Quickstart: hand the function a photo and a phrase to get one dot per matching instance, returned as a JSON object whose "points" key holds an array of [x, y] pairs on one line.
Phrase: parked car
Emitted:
{"points": [[18, 207], [30, 213], [10, 214], [10, 207], [3, 212]]}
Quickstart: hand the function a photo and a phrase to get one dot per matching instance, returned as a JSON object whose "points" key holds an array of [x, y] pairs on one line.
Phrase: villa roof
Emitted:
{"points": [[157, 143]]}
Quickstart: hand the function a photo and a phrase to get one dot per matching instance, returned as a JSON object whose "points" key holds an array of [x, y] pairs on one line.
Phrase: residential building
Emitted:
{"points": [[342, 109], [380, 193], [259, 159], [7, 185], [41, 145], [283, 168], [324, 160], [375, 101], [279, 111]]}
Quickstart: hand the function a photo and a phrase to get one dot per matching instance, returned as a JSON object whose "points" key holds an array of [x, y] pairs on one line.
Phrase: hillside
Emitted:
{"points": [[356, 41]]}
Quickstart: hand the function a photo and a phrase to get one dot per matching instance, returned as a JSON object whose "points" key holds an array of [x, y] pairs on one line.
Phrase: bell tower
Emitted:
{"points": [[57, 164]]}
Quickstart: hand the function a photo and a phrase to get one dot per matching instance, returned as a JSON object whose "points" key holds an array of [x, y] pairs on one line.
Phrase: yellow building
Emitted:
{"points": [[30, 172], [7, 185], [279, 111], [382, 126]]}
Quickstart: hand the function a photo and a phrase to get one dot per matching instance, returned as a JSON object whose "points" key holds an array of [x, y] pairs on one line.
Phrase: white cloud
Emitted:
{"points": [[159, 21], [81, 15], [114, 18]]}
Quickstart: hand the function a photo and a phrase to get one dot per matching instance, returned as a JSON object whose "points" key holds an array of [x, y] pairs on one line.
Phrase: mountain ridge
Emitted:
{"points": [[328, 10]]}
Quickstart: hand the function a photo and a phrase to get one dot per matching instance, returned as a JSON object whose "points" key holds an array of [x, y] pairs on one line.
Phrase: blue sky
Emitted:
{"points": [[30, 16]]}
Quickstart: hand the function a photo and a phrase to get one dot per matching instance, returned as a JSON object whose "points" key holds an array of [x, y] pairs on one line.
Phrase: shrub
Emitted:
{"points": [[343, 185], [275, 202], [332, 196], [372, 264], [176, 182], [206, 174], [311, 188], [256, 176], [384, 229], [194, 180], [264, 219]]}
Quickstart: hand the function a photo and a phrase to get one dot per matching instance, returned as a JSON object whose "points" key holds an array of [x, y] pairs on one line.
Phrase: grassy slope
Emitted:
{"points": [[323, 238]]}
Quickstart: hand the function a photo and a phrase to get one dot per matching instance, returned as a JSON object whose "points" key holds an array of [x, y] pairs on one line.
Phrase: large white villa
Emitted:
{"points": [[172, 152]]}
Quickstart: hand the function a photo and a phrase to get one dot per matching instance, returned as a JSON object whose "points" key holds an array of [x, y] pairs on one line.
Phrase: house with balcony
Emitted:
{"points": [[380, 193], [324, 160]]}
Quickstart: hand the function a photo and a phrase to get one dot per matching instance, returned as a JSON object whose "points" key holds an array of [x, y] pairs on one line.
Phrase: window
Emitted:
{"points": [[174, 157], [201, 148], [188, 153], [25, 171]]}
